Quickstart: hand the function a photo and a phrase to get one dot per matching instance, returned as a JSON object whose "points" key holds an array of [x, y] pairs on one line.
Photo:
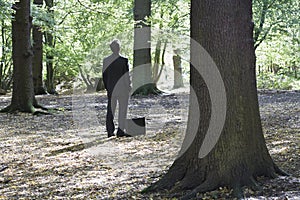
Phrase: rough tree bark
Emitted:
{"points": [[225, 30], [23, 94], [37, 63], [142, 77]]}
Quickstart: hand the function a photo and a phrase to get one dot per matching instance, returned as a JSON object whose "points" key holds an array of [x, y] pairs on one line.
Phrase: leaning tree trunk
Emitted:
{"points": [[37, 64], [23, 94], [142, 77], [224, 29]]}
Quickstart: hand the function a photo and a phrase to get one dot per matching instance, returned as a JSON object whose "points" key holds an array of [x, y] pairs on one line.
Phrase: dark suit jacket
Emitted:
{"points": [[115, 75]]}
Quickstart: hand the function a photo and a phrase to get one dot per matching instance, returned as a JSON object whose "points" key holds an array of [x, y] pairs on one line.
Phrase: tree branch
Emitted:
{"points": [[262, 20], [88, 8]]}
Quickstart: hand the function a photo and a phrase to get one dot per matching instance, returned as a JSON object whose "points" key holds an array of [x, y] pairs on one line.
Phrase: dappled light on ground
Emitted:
{"points": [[48, 157]]}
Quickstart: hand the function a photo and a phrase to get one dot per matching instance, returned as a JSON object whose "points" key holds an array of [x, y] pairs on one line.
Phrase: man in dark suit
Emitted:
{"points": [[117, 84]]}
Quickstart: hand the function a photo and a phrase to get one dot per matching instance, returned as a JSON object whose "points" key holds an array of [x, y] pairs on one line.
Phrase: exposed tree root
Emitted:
{"points": [[77, 147], [3, 168], [74, 148], [163, 184], [52, 92], [175, 183], [208, 185], [13, 109], [169, 180], [212, 183], [253, 184], [272, 174], [6, 109], [147, 90], [238, 191], [280, 171], [40, 91], [40, 107], [39, 113]]}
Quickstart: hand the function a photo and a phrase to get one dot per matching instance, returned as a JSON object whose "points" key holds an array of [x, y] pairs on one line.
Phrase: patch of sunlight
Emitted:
{"points": [[282, 150], [281, 142]]}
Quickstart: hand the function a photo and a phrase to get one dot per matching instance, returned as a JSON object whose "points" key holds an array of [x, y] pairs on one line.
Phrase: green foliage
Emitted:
{"points": [[276, 34], [83, 31], [272, 17], [280, 82], [5, 9], [41, 17], [5, 43], [171, 15], [169, 20]]}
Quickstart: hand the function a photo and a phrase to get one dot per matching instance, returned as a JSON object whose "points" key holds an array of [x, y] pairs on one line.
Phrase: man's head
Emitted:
{"points": [[115, 46]]}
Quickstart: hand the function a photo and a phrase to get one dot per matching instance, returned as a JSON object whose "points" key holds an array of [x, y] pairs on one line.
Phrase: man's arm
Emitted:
{"points": [[127, 77], [104, 74]]}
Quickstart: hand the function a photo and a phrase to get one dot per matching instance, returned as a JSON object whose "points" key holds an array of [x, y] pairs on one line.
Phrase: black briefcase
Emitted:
{"points": [[136, 126]]}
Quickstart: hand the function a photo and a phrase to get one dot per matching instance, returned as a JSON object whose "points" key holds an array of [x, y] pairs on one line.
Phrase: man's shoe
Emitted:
{"points": [[121, 133], [110, 135]]}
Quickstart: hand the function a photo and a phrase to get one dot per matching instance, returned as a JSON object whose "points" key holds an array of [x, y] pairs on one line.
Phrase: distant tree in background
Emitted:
{"points": [[169, 19], [273, 16], [178, 81], [142, 69], [5, 43], [49, 38], [82, 26], [37, 64], [276, 36]]}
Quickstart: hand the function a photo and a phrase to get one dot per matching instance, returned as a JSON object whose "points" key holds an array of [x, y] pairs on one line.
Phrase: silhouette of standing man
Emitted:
{"points": [[117, 84]]}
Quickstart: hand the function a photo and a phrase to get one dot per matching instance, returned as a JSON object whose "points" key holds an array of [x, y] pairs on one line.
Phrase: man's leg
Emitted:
{"points": [[111, 107], [123, 107]]}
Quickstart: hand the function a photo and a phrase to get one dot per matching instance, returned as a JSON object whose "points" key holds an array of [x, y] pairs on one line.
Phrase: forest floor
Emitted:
{"points": [[66, 155]]}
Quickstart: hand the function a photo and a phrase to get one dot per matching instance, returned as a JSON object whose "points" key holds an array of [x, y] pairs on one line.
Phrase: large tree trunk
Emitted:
{"points": [[23, 94], [37, 64], [224, 29], [142, 77], [49, 55]]}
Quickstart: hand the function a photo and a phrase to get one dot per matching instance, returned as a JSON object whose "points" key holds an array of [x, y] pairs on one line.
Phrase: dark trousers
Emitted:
{"points": [[122, 100]]}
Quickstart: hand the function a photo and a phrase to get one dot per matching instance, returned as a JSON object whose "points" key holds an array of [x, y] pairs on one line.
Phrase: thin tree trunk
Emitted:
{"points": [[156, 59], [37, 64], [295, 70], [3, 52], [163, 63], [49, 55], [142, 77], [178, 81], [159, 62], [6, 60], [259, 29]]}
